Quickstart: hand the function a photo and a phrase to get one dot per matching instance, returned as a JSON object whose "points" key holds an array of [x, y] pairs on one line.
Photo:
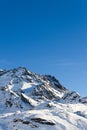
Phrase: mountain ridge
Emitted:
{"points": [[33, 101]]}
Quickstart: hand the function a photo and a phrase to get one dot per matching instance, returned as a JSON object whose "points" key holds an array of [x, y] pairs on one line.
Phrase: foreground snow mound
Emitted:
{"points": [[39, 102]]}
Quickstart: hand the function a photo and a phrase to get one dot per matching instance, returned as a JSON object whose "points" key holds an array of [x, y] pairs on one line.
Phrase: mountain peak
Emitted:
{"points": [[29, 100]]}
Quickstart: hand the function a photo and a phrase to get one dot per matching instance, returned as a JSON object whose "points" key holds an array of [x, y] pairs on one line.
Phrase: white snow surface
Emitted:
{"points": [[21, 110]]}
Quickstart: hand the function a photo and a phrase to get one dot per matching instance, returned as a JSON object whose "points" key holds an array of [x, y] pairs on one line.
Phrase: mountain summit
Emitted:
{"points": [[39, 102]]}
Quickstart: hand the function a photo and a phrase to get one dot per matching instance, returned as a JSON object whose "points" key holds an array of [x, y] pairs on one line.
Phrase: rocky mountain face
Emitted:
{"points": [[39, 102]]}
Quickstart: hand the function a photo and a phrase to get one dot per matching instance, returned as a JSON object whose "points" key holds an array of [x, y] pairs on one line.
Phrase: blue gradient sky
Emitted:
{"points": [[48, 37]]}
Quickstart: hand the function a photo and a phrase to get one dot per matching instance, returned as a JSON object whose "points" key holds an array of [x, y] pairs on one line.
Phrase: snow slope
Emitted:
{"points": [[39, 102]]}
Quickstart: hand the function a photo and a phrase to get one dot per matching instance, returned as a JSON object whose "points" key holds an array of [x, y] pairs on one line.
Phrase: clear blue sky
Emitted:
{"points": [[47, 37]]}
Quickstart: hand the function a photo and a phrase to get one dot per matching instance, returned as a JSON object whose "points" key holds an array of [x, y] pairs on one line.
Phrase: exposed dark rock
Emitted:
{"points": [[42, 121], [9, 103], [71, 96], [80, 113], [83, 100], [25, 122], [44, 90], [22, 121]]}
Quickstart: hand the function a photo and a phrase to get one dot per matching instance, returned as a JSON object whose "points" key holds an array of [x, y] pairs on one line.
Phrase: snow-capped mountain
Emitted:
{"points": [[39, 102]]}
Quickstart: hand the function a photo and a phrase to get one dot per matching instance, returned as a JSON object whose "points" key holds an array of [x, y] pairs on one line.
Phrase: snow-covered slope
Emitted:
{"points": [[39, 102]]}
